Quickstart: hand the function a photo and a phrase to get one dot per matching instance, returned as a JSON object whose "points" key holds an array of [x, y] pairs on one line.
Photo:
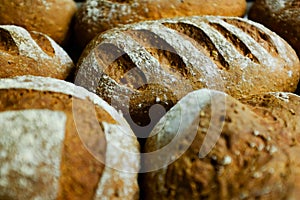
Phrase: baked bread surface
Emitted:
{"points": [[158, 62], [25, 52], [212, 146], [95, 16], [282, 17], [59, 141], [51, 17]]}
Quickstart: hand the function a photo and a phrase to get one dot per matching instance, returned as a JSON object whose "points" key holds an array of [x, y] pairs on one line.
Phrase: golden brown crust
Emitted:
{"points": [[31, 53], [283, 17], [80, 170], [51, 17], [252, 158], [158, 62], [96, 16], [89, 145]]}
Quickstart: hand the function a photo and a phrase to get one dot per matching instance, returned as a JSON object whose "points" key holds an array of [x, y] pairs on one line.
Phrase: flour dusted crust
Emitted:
{"points": [[92, 137], [253, 155], [96, 16], [31, 53], [158, 62], [282, 17], [25, 149], [51, 17]]}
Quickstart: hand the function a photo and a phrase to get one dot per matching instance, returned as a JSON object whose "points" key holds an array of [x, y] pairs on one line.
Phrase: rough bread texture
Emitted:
{"points": [[158, 62], [59, 141], [238, 150], [96, 16], [283, 17], [51, 17], [31, 53]]}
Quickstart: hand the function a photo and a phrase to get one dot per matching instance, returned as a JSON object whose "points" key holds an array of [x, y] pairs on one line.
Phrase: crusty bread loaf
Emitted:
{"points": [[31, 53], [158, 62], [51, 17], [283, 17], [96, 16], [211, 146], [59, 141]]}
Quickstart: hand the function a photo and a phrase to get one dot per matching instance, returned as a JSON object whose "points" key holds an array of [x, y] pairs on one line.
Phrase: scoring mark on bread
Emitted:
{"points": [[202, 39], [43, 42], [143, 65], [160, 50], [119, 66], [7, 43], [235, 41], [24, 42], [198, 65], [258, 35]]}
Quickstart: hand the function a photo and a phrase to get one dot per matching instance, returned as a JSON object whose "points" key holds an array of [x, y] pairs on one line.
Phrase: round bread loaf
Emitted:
{"points": [[137, 66], [212, 146], [31, 53], [283, 17], [96, 16], [59, 141], [52, 17]]}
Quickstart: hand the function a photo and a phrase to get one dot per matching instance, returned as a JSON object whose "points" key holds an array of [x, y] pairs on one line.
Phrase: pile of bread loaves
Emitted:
{"points": [[144, 99]]}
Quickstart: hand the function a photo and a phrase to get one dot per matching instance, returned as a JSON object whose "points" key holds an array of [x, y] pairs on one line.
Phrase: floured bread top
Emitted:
{"points": [[51, 17], [212, 146], [158, 62], [55, 85], [83, 134], [31, 53], [95, 16], [31, 154]]}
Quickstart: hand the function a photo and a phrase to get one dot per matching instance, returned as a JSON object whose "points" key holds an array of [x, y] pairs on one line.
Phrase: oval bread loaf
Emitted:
{"points": [[31, 53], [282, 17], [51, 17], [96, 16], [158, 62], [225, 149], [59, 141]]}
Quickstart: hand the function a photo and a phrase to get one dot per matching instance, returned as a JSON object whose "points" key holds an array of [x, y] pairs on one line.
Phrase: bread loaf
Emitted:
{"points": [[31, 53], [283, 17], [51, 17], [158, 62], [96, 16], [211, 146], [58, 141]]}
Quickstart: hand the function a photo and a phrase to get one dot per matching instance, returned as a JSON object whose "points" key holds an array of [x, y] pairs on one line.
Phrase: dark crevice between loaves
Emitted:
{"points": [[119, 66], [202, 40], [235, 41], [43, 43], [7, 43], [258, 35], [160, 50]]}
